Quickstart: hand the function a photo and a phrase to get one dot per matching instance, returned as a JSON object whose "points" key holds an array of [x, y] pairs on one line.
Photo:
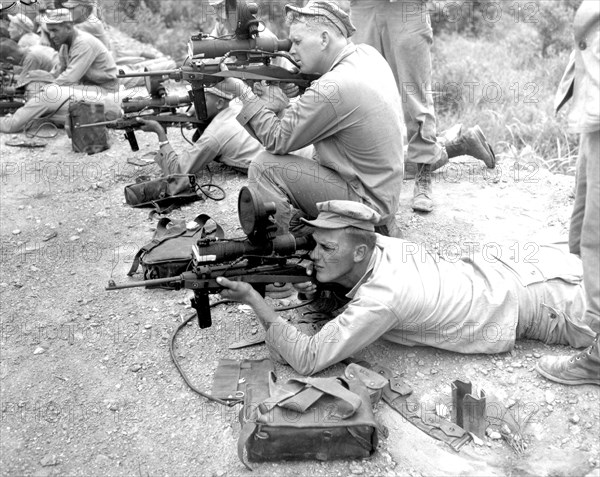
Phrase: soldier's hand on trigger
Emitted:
{"points": [[236, 290], [307, 288], [150, 125], [235, 85], [291, 90], [271, 94]]}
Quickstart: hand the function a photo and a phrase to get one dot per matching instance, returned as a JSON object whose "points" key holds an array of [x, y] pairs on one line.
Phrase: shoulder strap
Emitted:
{"points": [[202, 219], [162, 234], [301, 393]]}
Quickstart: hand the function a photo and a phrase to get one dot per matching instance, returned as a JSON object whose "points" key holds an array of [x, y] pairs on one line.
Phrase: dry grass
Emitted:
{"points": [[507, 87]]}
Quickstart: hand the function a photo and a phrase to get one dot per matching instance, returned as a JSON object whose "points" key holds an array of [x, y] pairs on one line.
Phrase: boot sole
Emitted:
{"points": [[570, 382], [490, 164], [422, 209]]}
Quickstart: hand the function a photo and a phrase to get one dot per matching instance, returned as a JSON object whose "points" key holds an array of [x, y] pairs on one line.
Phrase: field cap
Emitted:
{"points": [[329, 10], [55, 17], [7, 8], [22, 21], [221, 90], [77, 3], [339, 214]]}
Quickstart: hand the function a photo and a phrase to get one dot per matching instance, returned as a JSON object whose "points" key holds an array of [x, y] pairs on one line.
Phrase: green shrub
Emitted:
{"points": [[503, 84], [554, 26], [465, 17]]}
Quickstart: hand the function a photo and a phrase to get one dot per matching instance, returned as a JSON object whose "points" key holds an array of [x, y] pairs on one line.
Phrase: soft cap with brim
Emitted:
{"points": [[22, 21], [339, 214], [329, 10], [55, 17], [77, 3], [7, 7]]}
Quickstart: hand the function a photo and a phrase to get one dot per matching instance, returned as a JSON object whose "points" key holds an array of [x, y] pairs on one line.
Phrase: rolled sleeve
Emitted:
{"points": [[82, 57]]}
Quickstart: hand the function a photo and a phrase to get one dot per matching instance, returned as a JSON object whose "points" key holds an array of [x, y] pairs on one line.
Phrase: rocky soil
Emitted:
{"points": [[87, 385]]}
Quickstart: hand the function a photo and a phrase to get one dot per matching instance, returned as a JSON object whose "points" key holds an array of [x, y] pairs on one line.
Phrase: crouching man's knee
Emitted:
{"points": [[263, 168]]}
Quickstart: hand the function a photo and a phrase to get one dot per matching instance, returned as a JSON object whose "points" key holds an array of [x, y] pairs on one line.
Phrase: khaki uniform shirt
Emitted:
{"points": [[411, 297], [87, 62], [224, 139], [353, 116], [38, 57]]}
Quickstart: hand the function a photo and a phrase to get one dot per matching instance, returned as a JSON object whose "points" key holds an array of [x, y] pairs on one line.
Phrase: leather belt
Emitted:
{"points": [[395, 394]]}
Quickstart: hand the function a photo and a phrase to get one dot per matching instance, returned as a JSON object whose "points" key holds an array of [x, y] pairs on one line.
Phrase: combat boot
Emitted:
{"points": [[422, 194], [472, 143], [583, 368], [446, 136]]}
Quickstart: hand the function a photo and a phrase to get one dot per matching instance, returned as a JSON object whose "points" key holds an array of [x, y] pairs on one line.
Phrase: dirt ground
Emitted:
{"points": [[87, 384]]}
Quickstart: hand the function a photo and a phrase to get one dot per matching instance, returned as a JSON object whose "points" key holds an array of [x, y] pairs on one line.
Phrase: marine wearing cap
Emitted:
{"points": [[77, 3], [329, 10], [339, 214], [22, 21], [56, 17]]}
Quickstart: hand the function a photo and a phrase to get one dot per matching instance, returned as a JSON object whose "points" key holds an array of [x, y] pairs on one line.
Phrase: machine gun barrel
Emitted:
{"points": [[203, 280], [134, 105], [171, 74]]}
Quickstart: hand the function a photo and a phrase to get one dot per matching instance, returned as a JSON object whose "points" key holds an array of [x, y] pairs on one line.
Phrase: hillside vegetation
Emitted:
{"points": [[496, 64]]}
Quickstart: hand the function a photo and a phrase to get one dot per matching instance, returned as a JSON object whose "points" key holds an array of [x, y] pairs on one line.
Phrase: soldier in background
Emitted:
{"points": [[86, 70], [37, 57], [401, 31], [22, 30], [581, 81]]}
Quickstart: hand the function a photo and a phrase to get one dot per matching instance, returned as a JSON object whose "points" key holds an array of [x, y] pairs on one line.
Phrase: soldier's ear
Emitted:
{"points": [[360, 252]]}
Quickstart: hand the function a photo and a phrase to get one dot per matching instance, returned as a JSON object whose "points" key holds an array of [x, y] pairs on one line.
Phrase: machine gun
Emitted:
{"points": [[260, 258], [11, 97], [163, 110], [247, 55]]}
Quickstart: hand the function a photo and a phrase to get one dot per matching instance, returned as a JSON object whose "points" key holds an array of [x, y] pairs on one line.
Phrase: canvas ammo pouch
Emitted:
{"points": [[307, 418], [160, 193], [90, 140], [169, 254]]}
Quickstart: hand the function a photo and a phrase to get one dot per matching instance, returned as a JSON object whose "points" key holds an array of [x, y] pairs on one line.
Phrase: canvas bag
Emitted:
{"points": [[161, 193], [169, 253], [89, 140], [307, 418]]}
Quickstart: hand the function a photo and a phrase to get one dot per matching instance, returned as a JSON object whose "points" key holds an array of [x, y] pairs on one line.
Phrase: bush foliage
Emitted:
{"points": [[496, 64]]}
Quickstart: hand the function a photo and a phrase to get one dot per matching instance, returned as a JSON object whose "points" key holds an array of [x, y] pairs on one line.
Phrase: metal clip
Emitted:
{"points": [[468, 410]]}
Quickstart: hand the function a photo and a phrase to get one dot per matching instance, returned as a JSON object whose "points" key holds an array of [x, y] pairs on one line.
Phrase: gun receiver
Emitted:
{"points": [[203, 279], [259, 259], [247, 59], [129, 124], [11, 99], [164, 104]]}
